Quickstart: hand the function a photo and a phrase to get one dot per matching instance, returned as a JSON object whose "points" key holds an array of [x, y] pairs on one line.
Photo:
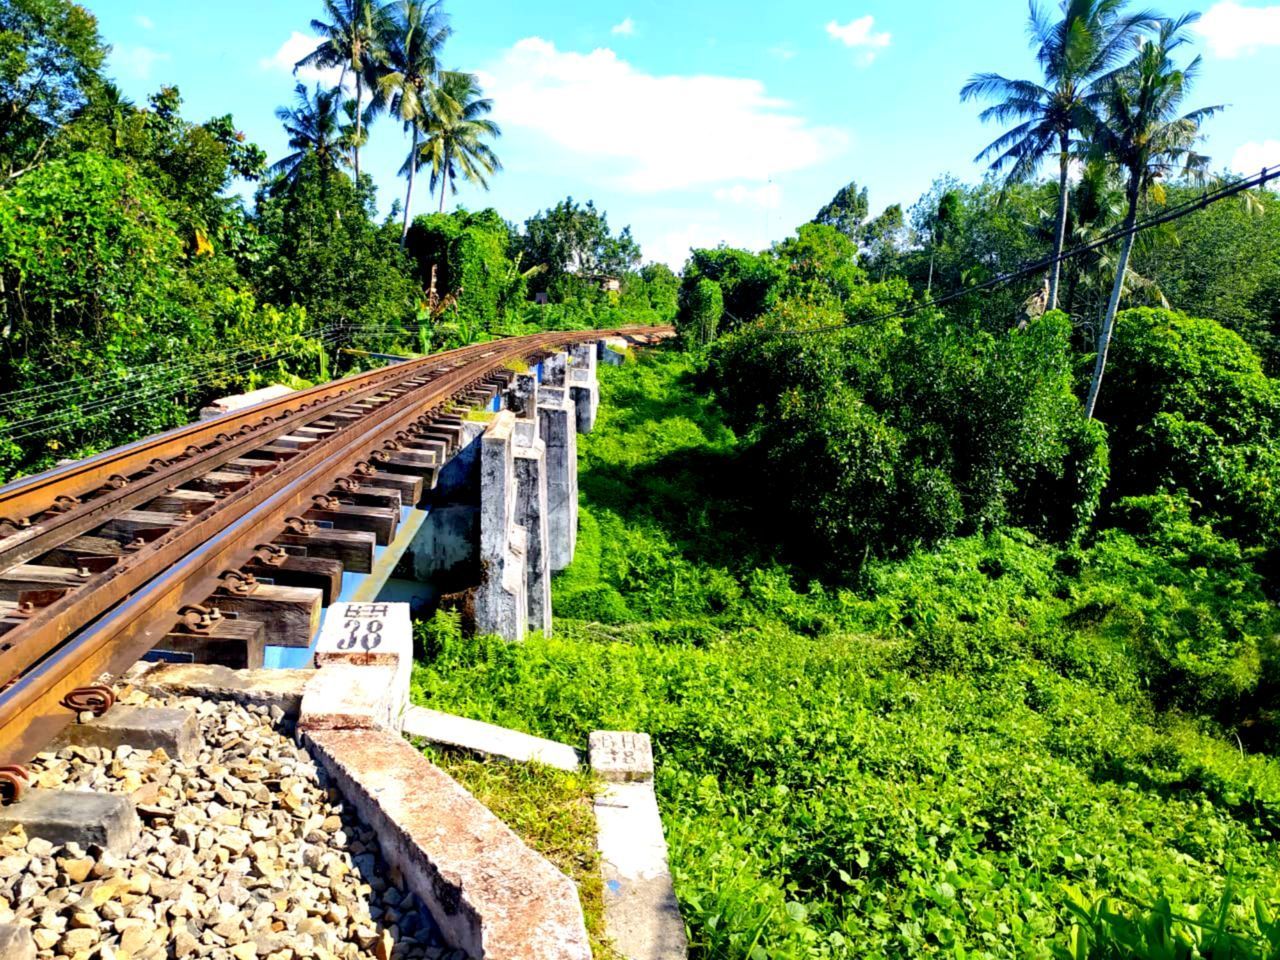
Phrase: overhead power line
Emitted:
{"points": [[1175, 212]]}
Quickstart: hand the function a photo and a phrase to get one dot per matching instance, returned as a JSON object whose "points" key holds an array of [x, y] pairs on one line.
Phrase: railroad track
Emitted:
{"points": [[103, 559]]}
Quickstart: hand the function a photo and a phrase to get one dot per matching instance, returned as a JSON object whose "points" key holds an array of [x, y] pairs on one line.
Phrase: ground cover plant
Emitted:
{"points": [[999, 748]]}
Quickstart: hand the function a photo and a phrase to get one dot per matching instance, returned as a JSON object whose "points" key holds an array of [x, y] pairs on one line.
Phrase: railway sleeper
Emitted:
{"points": [[134, 524], [352, 548], [370, 494], [290, 615], [318, 573], [349, 516], [239, 644], [410, 487], [30, 578]]}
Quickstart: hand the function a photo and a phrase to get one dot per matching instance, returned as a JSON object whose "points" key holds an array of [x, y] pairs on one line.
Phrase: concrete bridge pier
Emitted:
{"points": [[531, 513], [554, 369], [501, 601], [443, 552], [584, 387], [558, 430]]}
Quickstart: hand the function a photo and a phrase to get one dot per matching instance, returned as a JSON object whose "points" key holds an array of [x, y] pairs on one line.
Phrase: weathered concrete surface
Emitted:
{"points": [[16, 942], [271, 688], [553, 370], [621, 757], [445, 552], [347, 697], [364, 658], [522, 395], [492, 896], [642, 916], [143, 728], [531, 514], [557, 428], [489, 739], [584, 356], [584, 391], [241, 400], [502, 597], [75, 816]]}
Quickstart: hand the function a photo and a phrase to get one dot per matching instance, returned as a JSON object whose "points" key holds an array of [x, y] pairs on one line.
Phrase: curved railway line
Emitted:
{"points": [[102, 559]]}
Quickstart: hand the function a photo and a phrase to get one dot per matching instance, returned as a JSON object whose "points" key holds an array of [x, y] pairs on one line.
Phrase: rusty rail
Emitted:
{"points": [[104, 624]]}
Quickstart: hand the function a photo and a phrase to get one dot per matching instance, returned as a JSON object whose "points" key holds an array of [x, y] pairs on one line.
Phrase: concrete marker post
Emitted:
{"points": [[641, 914]]}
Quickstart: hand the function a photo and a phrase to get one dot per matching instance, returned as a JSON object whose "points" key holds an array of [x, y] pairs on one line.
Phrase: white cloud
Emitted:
{"points": [[294, 49], [857, 33], [1231, 29], [145, 22], [768, 197], [673, 248], [136, 61], [1252, 157], [624, 29], [647, 133]]}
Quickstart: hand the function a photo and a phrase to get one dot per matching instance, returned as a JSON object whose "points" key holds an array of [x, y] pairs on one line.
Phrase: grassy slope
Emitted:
{"points": [[925, 766]]}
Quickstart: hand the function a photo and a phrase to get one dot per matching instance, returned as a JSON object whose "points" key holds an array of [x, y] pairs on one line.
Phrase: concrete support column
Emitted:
{"points": [[611, 351], [584, 356], [531, 513], [522, 395], [557, 428], [553, 369], [445, 552], [584, 391], [502, 598]]}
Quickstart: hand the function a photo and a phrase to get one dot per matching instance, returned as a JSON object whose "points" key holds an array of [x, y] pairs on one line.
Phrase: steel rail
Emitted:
{"points": [[133, 609]]}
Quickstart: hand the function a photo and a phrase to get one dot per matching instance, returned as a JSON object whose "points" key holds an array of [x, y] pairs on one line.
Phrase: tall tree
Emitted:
{"points": [[314, 126], [1142, 131], [409, 82], [50, 53], [1077, 54], [454, 146], [352, 37], [846, 211]]}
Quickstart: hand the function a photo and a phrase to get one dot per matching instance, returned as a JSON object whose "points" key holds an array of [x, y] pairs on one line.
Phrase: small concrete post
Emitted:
{"points": [[531, 513], [364, 658], [502, 598], [553, 369], [557, 427], [641, 915], [522, 395]]}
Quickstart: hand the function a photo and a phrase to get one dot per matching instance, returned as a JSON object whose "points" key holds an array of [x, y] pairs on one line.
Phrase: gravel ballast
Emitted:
{"points": [[245, 853]]}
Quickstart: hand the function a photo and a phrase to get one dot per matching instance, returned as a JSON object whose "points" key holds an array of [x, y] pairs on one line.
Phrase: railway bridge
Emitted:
{"points": [[445, 479]]}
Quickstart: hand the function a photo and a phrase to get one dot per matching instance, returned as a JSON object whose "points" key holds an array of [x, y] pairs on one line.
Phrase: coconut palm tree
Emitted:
{"points": [[352, 37], [1142, 132], [454, 137], [314, 126], [1077, 53], [409, 81]]}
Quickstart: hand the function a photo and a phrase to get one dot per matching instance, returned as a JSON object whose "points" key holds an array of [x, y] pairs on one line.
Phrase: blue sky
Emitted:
{"points": [[694, 122]]}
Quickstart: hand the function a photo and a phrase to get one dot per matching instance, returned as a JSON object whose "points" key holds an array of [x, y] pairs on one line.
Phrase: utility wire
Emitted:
{"points": [[1039, 266], [205, 363], [133, 398], [125, 401]]}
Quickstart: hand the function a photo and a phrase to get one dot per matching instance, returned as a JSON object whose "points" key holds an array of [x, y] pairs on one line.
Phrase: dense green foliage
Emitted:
{"points": [[952, 758]]}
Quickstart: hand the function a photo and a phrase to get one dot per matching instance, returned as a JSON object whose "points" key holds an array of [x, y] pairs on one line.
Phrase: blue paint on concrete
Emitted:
{"points": [[496, 405], [538, 370]]}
